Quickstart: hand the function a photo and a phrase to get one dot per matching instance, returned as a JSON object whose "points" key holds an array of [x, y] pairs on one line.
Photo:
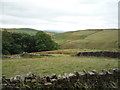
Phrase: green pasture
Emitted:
{"points": [[58, 64]]}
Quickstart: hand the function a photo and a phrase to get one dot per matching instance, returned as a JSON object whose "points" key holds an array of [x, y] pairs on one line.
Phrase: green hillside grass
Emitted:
{"points": [[88, 39], [26, 30], [81, 39], [22, 30]]}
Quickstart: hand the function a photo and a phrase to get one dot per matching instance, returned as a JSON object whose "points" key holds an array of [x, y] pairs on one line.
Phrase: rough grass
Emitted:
{"points": [[56, 64], [98, 39]]}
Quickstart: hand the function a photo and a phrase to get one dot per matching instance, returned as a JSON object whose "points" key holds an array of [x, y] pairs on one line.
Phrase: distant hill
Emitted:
{"points": [[56, 31], [80, 39], [21, 30], [26, 30], [88, 39]]}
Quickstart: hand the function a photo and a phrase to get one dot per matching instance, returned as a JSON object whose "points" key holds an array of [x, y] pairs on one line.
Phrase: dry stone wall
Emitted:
{"points": [[100, 54], [24, 55], [72, 81]]}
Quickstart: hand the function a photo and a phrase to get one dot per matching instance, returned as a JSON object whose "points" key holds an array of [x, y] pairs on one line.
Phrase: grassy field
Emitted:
{"points": [[71, 43], [59, 64]]}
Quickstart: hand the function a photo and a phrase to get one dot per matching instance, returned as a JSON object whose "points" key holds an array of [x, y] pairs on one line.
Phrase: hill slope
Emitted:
{"points": [[27, 30], [22, 30], [81, 39], [90, 39]]}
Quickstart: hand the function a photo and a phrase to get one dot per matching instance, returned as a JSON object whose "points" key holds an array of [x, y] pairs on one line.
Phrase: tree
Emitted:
{"points": [[6, 45], [15, 43], [44, 42], [28, 43], [9, 46]]}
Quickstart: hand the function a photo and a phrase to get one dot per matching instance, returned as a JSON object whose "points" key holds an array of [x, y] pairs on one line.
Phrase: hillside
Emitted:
{"points": [[81, 39], [89, 39], [22, 30], [27, 30]]}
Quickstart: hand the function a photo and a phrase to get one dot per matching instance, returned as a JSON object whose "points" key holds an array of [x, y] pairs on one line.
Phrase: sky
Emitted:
{"points": [[59, 15]]}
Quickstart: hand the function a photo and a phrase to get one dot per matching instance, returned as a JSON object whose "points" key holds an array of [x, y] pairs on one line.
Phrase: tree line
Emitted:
{"points": [[16, 43]]}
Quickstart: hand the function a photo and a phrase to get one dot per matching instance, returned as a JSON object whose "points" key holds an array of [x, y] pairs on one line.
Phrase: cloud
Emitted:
{"points": [[59, 14]]}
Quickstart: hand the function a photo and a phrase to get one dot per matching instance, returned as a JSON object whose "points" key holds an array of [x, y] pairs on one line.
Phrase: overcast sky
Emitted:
{"points": [[65, 15]]}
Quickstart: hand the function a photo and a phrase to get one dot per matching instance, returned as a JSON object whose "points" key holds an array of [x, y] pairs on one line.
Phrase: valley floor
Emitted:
{"points": [[58, 64]]}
